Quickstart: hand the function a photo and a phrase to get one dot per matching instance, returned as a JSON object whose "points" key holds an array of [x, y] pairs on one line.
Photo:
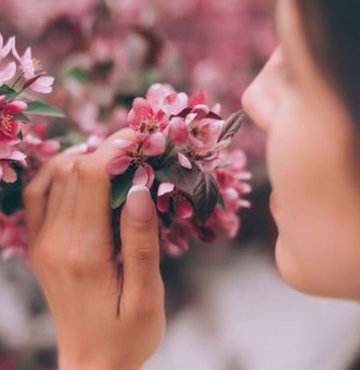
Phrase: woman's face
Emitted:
{"points": [[311, 163]]}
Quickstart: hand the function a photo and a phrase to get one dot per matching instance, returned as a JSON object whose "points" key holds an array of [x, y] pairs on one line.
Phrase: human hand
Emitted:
{"points": [[103, 319]]}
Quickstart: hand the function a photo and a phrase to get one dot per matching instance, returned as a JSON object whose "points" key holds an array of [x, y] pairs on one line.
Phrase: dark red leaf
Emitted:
{"points": [[32, 80], [206, 196], [182, 114], [232, 126], [213, 115], [183, 178]]}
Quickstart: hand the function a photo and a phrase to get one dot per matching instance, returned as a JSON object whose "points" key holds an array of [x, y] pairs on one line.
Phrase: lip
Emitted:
{"points": [[272, 202]]}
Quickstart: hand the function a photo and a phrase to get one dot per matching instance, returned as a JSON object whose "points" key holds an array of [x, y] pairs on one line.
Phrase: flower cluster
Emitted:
{"points": [[113, 50], [180, 154], [24, 145], [17, 74]]}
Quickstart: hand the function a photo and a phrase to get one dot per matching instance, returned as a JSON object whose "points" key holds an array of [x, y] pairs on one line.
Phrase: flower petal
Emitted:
{"points": [[178, 131], [5, 151], [141, 176], [165, 188], [154, 144], [142, 108], [151, 175], [43, 85], [5, 49], [163, 203], [183, 208], [198, 98], [157, 93], [184, 161], [15, 107], [201, 111], [16, 155], [9, 174], [27, 64], [11, 130], [7, 73], [118, 165]]}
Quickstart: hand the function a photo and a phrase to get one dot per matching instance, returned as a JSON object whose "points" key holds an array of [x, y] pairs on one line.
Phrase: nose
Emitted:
{"points": [[259, 98]]}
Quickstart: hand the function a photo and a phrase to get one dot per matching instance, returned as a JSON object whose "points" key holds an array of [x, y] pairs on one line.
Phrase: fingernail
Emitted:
{"points": [[77, 149], [139, 204], [122, 144]]}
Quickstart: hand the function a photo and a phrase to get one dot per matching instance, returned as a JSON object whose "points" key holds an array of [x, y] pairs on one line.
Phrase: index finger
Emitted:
{"points": [[92, 211]]}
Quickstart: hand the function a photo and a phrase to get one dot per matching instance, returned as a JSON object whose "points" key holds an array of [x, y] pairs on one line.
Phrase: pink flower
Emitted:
{"points": [[199, 97], [148, 124], [8, 71], [184, 161], [144, 174], [39, 149], [31, 69], [175, 239], [13, 234], [119, 165], [231, 172], [9, 154], [227, 221], [231, 176], [9, 125], [27, 64], [154, 145], [203, 132], [178, 132], [182, 206], [5, 49], [7, 173], [142, 118], [43, 84], [164, 97]]}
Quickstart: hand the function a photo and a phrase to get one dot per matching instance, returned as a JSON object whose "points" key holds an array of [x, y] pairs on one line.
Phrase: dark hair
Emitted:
{"points": [[332, 31]]}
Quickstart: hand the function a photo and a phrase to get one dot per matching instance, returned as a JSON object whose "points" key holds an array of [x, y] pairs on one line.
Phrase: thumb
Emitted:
{"points": [[140, 243]]}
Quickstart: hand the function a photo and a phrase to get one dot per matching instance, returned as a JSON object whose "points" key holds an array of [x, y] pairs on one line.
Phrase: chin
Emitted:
{"points": [[305, 277], [292, 273]]}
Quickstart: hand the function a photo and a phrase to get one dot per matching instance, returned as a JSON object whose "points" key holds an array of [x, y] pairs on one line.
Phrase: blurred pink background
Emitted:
{"points": [[227, 307]]}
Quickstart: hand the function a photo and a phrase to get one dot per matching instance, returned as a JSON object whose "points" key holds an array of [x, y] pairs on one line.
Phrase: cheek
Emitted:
{"points": [[316, 208]]}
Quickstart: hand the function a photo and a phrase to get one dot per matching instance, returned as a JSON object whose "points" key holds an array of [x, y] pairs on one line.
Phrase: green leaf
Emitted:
{"points": [[79, 74], [9, 92], [120, 188], [21, 117], [221, 202], [206, 196], [161, 176], [43, 109]]}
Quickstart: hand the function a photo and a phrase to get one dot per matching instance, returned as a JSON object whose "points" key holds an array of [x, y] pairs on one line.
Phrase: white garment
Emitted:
{"points": [[248, 319]]}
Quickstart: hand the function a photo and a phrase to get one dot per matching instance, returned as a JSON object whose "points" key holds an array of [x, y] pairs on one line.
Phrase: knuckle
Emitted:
{"points": [[77, 263], [87, 169], [30, 192], [145, 253], [63, 170], [148, 299], [83, 169]]}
